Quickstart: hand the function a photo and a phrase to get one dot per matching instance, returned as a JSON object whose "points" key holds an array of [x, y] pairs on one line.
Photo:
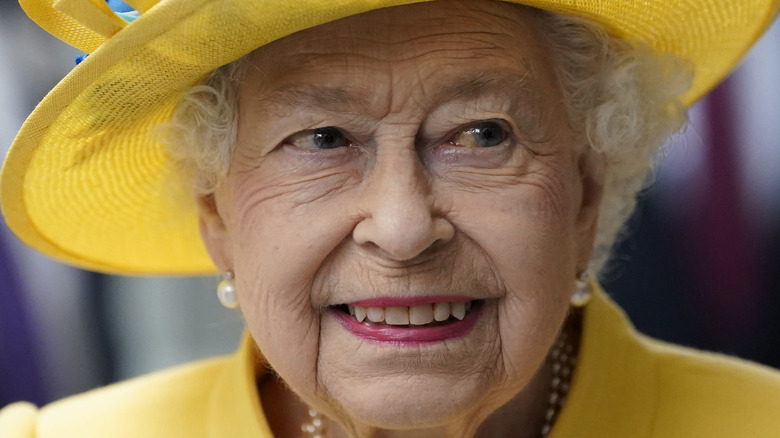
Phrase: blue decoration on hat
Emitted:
{"points": [[80, 58], [123, 10], [119, 6]]}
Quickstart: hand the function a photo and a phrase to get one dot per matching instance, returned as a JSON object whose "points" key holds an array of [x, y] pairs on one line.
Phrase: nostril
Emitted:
{"points": [[443, 229]]}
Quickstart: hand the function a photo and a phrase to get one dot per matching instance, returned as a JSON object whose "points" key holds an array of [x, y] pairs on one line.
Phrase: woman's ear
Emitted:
{"points": [[214, 232], [591, 166]]}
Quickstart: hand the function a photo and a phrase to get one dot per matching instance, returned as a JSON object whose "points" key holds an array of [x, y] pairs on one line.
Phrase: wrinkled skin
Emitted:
{"points": [[408, 202]]}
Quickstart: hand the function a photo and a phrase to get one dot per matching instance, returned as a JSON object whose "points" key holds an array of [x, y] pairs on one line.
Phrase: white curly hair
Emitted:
{"points": [[620, 96]]}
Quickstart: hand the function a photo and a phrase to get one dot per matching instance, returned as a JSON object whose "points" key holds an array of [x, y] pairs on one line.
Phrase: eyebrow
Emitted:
{"points": [[471, 86], [334, 99], [345, 100]]}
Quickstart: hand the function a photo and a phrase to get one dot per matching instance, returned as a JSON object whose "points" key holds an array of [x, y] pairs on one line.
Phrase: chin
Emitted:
{"points": [[403, 402]]}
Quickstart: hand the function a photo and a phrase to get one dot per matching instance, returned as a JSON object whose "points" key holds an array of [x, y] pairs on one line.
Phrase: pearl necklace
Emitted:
{"points": [[564, 359], [315, 426], [563, 356]]}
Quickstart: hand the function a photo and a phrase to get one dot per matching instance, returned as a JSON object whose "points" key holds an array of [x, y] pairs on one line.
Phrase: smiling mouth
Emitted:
{"points": [[419, 324], [423, 315]]}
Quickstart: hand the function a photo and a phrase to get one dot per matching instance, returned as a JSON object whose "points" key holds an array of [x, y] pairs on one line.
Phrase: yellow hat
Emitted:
{"points": [[87, 183]]}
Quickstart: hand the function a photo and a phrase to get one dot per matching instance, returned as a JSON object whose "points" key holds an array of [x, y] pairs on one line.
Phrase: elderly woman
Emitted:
{"points": [[408, 204]]}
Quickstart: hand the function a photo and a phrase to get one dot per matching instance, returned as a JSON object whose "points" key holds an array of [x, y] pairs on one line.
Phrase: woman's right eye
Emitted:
{"points": [[319, 138]]}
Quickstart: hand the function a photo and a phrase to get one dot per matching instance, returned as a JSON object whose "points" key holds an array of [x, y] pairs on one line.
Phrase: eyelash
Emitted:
{"points": [[451, 138], [326, 131]]}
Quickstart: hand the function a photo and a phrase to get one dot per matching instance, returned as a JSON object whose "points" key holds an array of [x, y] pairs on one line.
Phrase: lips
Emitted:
{"points": [[386, 320]]}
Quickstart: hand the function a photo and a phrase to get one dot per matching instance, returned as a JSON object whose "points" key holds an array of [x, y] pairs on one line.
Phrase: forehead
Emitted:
{"points": [[433, 51]]}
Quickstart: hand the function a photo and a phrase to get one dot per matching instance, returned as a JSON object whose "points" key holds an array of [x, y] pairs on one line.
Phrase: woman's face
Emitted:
{"points": [[417, 158]]}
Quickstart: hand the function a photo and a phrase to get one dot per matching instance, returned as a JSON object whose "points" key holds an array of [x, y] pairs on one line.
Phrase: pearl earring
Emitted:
{"points": [[582, 292], [226, 290]]}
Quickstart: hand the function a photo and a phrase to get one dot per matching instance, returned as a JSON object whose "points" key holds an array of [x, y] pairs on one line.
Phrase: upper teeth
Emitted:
{"points": [[415, 315]]}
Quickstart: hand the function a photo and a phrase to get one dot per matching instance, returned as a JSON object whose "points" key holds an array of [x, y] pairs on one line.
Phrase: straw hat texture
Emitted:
{"points": [[86, 180]]}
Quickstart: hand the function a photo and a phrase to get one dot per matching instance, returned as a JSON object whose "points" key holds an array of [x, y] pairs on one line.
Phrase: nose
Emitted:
{"points": [[398, 207]]}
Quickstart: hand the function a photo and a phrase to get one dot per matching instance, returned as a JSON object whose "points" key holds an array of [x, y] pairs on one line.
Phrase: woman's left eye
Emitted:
{"points": [[319, 138], [483, 134]]}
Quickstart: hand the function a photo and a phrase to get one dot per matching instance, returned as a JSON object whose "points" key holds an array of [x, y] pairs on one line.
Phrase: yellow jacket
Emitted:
{"points": [[625, 386]]}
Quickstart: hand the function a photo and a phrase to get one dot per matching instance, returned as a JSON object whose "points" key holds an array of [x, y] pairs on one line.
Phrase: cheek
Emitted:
{"points": [[287, 219], [528, 234]]}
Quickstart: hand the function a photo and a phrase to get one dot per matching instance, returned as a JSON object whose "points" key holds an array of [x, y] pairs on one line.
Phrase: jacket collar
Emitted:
{"points": [[234, 406], [614, 386]]}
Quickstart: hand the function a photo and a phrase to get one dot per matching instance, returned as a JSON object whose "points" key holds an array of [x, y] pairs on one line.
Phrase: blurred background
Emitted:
{"points": [[701, 267]]}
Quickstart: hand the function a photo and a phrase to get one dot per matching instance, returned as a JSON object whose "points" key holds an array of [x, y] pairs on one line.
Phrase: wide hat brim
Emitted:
{"points": [[87, 180]]}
